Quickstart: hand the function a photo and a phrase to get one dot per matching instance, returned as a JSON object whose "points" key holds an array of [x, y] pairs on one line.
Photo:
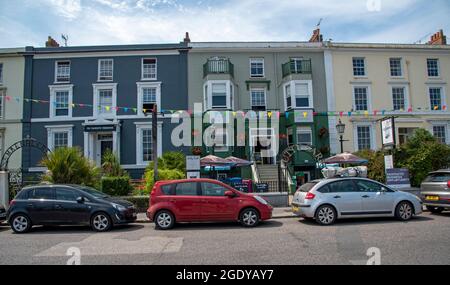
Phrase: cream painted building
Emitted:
{"points": [[410, 82], [12, 72]]}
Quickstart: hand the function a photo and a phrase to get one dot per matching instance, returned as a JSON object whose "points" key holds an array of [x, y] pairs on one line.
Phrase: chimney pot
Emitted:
{"points": [[438, 38]]}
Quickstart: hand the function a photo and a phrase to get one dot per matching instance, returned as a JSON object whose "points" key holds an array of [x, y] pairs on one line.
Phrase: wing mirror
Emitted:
{"points": [[80, 200], [230, 194]]}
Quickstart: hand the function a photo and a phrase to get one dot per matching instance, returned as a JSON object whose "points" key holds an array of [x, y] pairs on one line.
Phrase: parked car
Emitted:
{"points": [[327, 200], [435, 191], [2, 213], [67, 205], [201, 200]]}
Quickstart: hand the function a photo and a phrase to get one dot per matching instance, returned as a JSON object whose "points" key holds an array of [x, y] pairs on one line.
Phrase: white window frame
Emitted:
{"points": [[225, 147], [56, 72], [2, 141], [443, 96], [401, 68], [60, 88], [51, 130], [142, 69], [99, 69], [1, 72], [292, 85], [140, 95], [304, 130], [445, 124], [369, 97], [139, 150], [2, 103], [208, 96], [257, 60], [365, 67], [438, 68], [96, 89], [406, 94], [372, 134], [265, 96]]}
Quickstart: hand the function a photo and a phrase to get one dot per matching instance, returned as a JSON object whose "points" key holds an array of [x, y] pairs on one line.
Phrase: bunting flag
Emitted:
{"points": [[266, 114]]}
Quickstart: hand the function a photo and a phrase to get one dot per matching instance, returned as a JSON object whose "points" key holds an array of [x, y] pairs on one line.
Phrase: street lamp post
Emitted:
{"points": [[340, 127]]}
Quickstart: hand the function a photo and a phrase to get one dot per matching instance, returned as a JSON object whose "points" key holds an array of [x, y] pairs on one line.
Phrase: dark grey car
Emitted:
{"points": [[435, 191], [2, 213]]}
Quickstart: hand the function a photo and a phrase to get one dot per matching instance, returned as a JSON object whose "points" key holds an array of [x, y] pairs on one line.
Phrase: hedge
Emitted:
{"points": [[116, 186], [140, 202]]}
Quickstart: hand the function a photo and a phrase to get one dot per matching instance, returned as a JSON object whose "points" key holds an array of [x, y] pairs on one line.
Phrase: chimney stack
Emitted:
{"points": [[186, 38], [316, 36], [438, 39], [51, 42]]}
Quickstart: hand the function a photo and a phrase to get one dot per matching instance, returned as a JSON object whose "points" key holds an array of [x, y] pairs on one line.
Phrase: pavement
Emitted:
{"points": [[423, 240], [278, 213]]}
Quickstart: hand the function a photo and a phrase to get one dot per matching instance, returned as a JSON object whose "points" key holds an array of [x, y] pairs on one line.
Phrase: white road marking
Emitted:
{"points": [[108, 244]]}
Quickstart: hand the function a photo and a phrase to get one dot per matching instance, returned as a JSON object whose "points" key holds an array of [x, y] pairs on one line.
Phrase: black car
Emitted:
{"points": [[67, 205], [2, 213]]}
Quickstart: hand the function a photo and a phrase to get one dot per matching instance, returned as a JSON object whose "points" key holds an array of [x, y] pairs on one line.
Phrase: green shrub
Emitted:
{"points": [[375, 166], [67, 165], [171, 160], [163, 174], [111, 166], [421, 155], [140, 202], [116, 186]]}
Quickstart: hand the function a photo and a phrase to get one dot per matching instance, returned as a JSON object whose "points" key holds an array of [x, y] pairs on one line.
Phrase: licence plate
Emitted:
{"points": [[3, 215], [432, 198], [295, 209]]}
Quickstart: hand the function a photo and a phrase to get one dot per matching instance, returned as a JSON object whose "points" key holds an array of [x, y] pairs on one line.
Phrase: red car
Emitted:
{"points": [[201, 200]]}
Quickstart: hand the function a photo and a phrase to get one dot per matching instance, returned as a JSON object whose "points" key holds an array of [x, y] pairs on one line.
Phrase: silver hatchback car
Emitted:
{"points": [[329, 199], [435, 191]]}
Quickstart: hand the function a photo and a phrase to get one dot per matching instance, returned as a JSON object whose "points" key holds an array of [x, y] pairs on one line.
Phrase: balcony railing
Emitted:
{"points": [[218, 66], [297, 67]]}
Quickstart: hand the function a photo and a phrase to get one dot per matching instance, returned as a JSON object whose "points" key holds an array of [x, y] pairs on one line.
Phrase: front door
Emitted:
{"points": [[68, 209], [104, 144], [215, 205], [377, 200]]}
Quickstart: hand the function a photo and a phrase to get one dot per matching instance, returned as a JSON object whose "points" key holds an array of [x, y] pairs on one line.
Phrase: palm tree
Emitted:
{"points": [[67, 165]]}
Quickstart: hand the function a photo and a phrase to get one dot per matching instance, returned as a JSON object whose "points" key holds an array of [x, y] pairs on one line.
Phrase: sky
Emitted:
{"points": [[108, 22]]}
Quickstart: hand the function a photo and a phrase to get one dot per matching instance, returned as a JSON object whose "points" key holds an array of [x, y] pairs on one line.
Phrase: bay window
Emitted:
{"points": [[303, 94]]}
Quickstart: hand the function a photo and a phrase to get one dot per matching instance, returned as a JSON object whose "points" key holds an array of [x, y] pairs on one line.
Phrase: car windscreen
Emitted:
{"points": [[438, 177], [307, 186], [93, 192]]}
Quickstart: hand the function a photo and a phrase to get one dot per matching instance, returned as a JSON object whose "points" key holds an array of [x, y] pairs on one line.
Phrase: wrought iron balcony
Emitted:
{"points": [[218, 66], [296, 66]]}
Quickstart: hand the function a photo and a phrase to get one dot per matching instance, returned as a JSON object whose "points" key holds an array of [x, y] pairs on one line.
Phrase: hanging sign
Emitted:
{"points": [[388, 132]]}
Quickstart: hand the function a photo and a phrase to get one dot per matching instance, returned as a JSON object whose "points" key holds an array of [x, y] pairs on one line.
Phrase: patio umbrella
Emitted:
{"points": [[239, 162], [212, 160], [345, 158]]}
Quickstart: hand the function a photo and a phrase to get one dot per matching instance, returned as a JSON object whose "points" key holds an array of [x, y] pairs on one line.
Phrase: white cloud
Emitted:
{"points": [[69, 9], [150, 21]]}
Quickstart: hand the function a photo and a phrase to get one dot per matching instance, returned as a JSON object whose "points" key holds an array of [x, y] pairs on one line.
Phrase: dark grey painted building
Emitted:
{"points": [[93, 98]]}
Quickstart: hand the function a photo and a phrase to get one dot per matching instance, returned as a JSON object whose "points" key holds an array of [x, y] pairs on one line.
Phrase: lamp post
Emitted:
{"points": [[340, 127]]}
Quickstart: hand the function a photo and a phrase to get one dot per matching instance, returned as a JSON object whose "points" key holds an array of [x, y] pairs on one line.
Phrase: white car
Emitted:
{"points": [[327, 200]]}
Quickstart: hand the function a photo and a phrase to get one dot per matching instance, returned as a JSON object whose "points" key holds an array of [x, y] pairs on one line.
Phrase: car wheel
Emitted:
{"points": [[435, 210], [101, 222], [326, 215], [404, 211], [20, 223], [164, 220], [249, 218]]}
